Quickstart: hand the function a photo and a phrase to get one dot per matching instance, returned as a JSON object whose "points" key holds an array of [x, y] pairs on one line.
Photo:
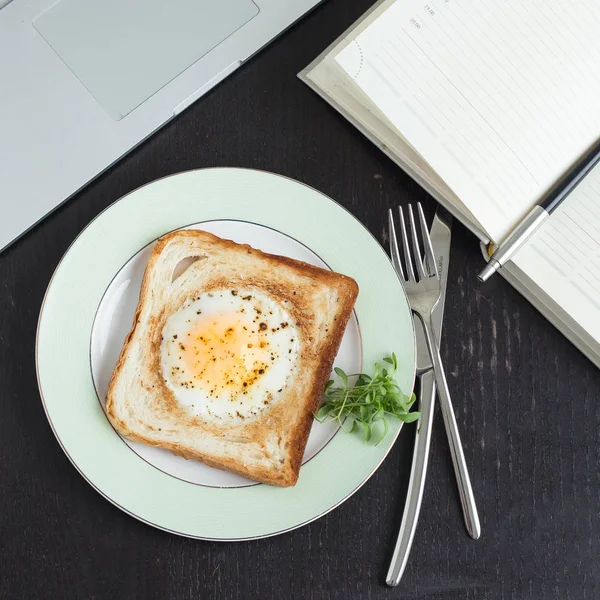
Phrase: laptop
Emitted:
{"points": [[82, 82]]}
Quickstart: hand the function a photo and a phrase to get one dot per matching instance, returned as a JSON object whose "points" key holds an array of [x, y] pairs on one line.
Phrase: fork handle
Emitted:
{"points": [[416, 483], [463, 480]]}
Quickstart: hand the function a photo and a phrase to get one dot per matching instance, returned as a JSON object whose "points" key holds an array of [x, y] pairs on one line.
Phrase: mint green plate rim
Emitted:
{"points": [[68, 312]]}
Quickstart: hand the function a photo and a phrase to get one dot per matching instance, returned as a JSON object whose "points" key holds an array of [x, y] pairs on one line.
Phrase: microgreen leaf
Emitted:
{"points": [[368, 403], [342, 376]]}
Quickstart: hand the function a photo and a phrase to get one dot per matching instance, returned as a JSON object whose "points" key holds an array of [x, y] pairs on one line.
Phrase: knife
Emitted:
{"points": [[440, 238]]}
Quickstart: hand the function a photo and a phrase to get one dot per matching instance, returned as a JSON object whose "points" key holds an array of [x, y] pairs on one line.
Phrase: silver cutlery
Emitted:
{"points": [[423, 290], [440, 235]]}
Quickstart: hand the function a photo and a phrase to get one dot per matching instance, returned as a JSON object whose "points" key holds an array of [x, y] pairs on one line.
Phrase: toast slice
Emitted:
{"points": [[231, 412]]}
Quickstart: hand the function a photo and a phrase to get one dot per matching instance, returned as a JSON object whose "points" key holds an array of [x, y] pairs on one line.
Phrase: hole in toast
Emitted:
{"points": [[183, 265]]}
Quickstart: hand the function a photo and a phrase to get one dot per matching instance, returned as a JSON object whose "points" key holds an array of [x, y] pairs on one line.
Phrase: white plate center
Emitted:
{"points": [[115, 316]]}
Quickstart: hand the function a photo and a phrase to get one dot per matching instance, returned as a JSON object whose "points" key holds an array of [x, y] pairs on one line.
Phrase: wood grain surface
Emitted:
{"points": [[527, 402]]}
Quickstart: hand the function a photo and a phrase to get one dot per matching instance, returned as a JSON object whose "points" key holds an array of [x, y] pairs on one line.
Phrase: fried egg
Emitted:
{"points": [[227, 355]]}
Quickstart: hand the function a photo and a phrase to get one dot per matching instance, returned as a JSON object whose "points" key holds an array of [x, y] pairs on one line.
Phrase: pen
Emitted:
{"points": [[534, 219]]}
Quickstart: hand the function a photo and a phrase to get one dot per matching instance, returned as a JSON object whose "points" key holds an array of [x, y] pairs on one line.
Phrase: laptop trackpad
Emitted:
{"points": [[124, 51]]}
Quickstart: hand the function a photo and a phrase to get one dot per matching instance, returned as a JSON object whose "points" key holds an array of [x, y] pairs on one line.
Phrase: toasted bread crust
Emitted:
{"points": [[297, 284]]}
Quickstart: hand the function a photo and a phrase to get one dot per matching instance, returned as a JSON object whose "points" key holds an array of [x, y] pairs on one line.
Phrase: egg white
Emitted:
{"points": [[228, 355]]}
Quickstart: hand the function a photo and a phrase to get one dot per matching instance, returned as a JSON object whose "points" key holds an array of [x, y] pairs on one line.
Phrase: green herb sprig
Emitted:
{"points": [[367, 404]]}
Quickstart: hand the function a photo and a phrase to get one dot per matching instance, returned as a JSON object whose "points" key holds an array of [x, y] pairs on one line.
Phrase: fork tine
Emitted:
{"points": [[394, 250], [407, 260], [415, 243], [429, 254]]}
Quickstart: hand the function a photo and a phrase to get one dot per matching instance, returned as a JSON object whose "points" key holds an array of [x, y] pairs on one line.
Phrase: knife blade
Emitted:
{"points": [[441, 233], [441, 230]]}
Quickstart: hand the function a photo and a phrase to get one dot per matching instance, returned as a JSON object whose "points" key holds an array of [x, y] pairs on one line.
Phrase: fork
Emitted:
{"points": [[423, 291]]}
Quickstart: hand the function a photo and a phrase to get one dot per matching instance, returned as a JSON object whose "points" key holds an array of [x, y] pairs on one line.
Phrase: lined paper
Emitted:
{"points": [[563, 256], [499, 98]]}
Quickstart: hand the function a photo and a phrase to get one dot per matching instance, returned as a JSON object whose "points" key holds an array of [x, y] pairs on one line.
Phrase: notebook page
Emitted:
{"points": [[498, 97], [329, 80], [563, 256]]}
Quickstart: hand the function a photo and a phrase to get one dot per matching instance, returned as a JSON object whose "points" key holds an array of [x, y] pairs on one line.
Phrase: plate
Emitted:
{"points": [[88, 310]]}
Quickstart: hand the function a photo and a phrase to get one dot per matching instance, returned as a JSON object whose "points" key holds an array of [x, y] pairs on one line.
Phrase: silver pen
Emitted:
{"points": [[534, 219]]}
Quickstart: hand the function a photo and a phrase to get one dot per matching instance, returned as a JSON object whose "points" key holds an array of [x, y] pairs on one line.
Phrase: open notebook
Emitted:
{"points": [[486, 104]]}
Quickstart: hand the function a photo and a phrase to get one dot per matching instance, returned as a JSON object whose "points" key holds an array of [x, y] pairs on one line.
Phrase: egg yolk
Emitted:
{"points": [[226, 353]]}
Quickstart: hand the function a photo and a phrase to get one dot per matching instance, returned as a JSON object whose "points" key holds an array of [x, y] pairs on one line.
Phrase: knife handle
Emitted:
{"points": [[416, 483], [463, 480]]}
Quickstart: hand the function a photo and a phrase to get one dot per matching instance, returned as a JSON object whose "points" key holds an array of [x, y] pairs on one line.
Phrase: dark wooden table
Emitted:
{"points": [[527, 402]]}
